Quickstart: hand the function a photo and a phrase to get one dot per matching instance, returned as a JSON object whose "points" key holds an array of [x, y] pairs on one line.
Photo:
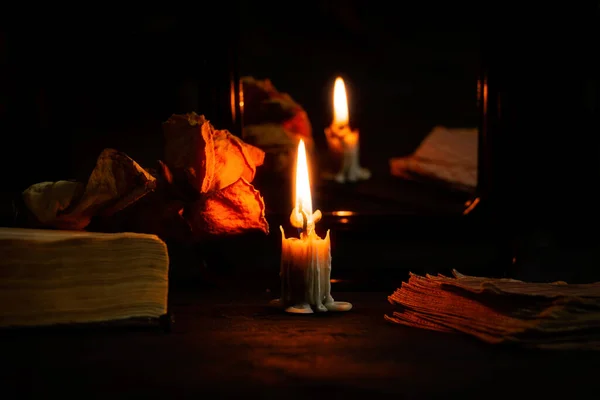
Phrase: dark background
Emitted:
{"points": [[405, 70], [72, 86]]}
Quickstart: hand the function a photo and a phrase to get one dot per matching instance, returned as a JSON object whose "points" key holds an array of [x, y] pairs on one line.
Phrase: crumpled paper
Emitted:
{"points": [[116, 182], [220, 167]]}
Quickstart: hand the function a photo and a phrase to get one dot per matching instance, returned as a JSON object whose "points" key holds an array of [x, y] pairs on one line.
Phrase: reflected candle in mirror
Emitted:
{"points": [[306, 261], [343, 141]]}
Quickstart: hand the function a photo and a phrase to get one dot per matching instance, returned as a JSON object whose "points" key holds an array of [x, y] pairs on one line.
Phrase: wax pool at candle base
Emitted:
{"points": [[305, 275]]}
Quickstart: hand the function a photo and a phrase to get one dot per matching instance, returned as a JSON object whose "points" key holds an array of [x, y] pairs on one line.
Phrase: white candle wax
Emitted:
{"points": [[305, 273], [306, 261]]}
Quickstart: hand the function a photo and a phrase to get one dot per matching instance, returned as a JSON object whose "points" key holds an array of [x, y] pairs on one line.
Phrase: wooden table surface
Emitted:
{"points": [[229, 342]]}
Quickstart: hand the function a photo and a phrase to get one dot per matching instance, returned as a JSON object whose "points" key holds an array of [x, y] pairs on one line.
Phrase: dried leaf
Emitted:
{"points": [[210, 159], [116, 182], [235, 209]]}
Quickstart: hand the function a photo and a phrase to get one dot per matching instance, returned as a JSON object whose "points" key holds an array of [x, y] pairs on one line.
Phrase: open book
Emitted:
{"points": [[447, 155], [50, 277]]}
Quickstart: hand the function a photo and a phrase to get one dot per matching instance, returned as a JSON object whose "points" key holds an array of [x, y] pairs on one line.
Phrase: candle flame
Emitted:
{"points": [[303, 196], [340, 103]]}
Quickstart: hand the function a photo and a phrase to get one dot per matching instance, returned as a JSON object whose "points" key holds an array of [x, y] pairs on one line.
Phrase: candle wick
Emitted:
{"points": [[304, 220], [306, 226]]}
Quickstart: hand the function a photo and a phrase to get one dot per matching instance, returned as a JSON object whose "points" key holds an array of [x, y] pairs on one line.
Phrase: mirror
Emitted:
{"points": [[410, 85]]}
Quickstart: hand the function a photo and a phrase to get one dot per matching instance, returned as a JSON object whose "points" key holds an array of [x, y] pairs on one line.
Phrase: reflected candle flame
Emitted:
{"points": [[340, 103], [342, 213]]}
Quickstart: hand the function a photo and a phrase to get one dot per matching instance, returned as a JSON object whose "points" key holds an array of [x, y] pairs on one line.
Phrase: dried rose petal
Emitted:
{"points": [[186, 148], [299, 125], [233, 159], [264, 104], [274, 122], [235, 209], [210, 159]]}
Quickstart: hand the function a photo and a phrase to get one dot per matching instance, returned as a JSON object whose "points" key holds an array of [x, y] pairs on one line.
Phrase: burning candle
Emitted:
{"points": [[343, 141], [306, 261]]}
